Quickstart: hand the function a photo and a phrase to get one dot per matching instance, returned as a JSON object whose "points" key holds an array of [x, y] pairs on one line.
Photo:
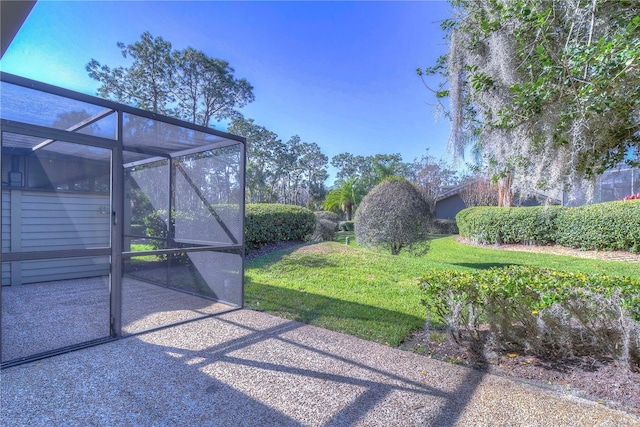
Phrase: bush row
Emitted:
{"points": [[335, 218], [326, 226], [611, 226], [271, 223], [604, 226], [542, 312], [530, 225]]}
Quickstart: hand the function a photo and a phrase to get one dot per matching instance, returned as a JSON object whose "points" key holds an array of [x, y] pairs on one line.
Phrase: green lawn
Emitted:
{"points": [[374, 295]]}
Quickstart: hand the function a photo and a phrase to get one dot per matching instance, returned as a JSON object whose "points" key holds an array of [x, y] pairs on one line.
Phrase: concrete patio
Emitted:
{"points": [[46, 316], [252, 369]]}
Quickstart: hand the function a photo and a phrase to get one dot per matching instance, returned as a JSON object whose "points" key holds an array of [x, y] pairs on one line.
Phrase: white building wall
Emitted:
{"points": [[50, 221]]}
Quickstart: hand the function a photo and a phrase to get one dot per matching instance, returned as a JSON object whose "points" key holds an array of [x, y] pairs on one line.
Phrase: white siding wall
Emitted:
{"points": [[47, 221], [60, 269], [53, 221]]}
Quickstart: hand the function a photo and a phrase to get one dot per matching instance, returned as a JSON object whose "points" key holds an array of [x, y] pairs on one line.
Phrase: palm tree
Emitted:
{"points": [[344, 197]]}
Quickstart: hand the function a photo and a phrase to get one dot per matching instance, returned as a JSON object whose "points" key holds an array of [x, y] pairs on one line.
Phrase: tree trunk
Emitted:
{"points": [[505, 194]]}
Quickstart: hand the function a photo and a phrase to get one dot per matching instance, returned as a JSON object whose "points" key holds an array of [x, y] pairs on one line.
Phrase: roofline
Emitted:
{"points": [[455, 190], [458, 188], [12, 16]]}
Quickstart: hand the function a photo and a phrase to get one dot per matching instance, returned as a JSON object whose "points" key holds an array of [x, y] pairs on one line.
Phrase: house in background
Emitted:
{"points": [[449, 202], [614, 184], [452, 199]]}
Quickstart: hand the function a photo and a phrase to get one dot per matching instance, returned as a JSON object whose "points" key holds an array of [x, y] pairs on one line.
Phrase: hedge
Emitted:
{"points": [[271, 223], [604, 226], [187, 223], [609, 226], [538, 311]]}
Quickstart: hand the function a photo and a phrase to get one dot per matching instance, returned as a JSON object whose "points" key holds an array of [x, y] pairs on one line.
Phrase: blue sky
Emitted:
{"points": [[340, 74]]}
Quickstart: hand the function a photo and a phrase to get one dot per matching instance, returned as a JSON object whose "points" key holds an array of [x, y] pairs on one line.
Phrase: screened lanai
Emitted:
{"points": [[115, 220]]}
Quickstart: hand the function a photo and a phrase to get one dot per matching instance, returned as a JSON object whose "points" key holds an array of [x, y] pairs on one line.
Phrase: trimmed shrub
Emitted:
{"points": [[325, 231], [393, 215], [267, 223], [525, 225], [328, 215], [538, 311], [346, 226], [605, 226]]}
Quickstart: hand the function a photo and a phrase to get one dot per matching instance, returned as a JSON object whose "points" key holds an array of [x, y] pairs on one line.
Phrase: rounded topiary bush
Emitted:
{"points": [[394, 215], [328, 215], [325, 231]]}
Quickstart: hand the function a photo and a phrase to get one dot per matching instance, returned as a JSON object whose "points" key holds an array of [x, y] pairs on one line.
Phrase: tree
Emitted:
{"points": [[186, 84], [393, 215], [479, 191], [313, 164], [348, 165], [547, 91], [344, 197], [146, 83], [264, 150], [430, 175], [369, 170], [384, 166], [205, 88], [291, 172]]}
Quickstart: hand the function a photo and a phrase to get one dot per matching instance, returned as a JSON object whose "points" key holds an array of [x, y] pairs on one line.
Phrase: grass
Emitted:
{"points": [[337, 287], [374, 295], [140, 247]]}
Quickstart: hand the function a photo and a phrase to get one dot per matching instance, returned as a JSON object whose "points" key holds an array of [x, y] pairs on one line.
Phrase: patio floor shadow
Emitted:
{"points": [[42, 317], [252, 369]]}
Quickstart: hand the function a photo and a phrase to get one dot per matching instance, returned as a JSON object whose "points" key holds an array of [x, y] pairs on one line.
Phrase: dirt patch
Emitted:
{"points": [[263, 250], [304, 248], [560, 250], [324, 249]]}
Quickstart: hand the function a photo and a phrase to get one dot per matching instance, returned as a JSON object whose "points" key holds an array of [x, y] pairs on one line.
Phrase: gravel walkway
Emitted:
{"points": [[252, 369], [625, 256]]}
